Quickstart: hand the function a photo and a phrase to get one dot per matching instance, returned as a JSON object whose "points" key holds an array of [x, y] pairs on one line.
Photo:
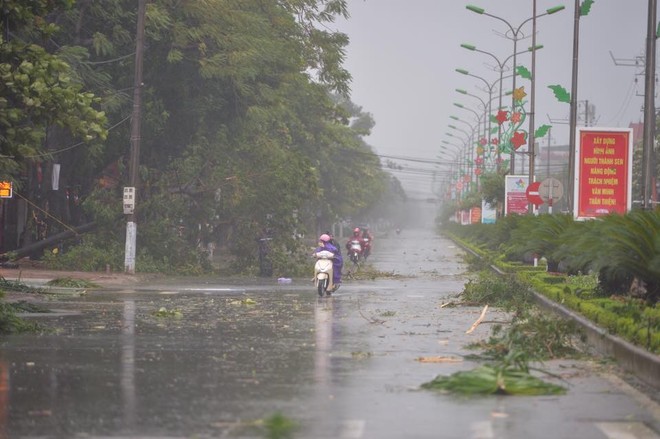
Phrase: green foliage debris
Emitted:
{"points": [[166, 313], [69, 282], [509, 377], [279, 426]]}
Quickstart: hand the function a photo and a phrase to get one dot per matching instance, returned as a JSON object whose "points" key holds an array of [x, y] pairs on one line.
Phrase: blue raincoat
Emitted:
{"points": [[337, 261]]}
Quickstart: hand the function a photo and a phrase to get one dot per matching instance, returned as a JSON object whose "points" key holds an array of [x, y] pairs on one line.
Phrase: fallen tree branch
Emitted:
{"points": [[370, 320], [475, 324]]}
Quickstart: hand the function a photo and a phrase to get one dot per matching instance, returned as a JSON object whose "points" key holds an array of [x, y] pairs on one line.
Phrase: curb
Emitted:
{"points": [[641, 363], [644, 365]]}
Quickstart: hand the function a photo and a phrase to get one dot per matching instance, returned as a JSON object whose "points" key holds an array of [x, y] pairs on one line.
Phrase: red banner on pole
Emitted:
{"points": [[603, 172]]}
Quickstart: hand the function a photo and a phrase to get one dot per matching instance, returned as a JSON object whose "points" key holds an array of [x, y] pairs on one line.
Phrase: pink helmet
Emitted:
{"points": [[324, 238]]}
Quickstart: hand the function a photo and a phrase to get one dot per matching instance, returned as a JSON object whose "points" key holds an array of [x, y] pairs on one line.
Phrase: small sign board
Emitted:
{"points": [[6, 189], [516, 194], [129, 200], [551, 190]]}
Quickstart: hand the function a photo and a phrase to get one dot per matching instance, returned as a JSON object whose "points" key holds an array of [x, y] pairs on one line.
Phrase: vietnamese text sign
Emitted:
{"points": [[516, 194], [6, 189], [603, 171]]}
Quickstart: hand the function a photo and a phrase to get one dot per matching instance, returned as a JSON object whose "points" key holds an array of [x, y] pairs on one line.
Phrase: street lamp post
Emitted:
{"points": [[458, 119], [469, 143], [489, 87], [487, 111], [573, 108], [501, 67], [496, 163], [648, 170], [456, 159], [516, 35], [531, 148]]}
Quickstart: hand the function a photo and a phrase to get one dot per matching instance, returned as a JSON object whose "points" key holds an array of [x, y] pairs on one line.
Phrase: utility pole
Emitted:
{"points": [[531, 150], [573, 117], [547, 172], [649, 108], [130, 193]]}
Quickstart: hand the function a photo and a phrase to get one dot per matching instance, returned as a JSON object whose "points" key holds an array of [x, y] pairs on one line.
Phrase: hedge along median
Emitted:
{"points": [[626, 317], [632, 339]]}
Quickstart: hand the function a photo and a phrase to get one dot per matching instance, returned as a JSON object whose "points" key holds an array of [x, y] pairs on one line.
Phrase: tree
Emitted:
{"points": [[493, 188], [39, 92], [246, 121]]}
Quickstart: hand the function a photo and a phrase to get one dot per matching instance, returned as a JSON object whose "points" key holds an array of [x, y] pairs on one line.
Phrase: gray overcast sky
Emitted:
{"points": [[403, 55]]}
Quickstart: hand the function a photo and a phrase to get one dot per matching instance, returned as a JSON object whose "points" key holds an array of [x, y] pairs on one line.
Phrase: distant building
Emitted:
{"points": [[551, 160], [638, 132]]}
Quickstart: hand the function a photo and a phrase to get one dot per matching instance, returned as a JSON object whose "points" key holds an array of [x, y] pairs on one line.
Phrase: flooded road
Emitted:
{"points": [[209, 358]]}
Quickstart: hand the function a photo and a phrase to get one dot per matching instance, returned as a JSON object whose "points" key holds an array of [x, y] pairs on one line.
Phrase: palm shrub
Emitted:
{"points": [[630, 249], [578, 246], [541, 235]]}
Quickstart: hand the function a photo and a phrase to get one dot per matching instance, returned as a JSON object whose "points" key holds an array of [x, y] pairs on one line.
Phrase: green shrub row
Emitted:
{"points": [[631, 319]]}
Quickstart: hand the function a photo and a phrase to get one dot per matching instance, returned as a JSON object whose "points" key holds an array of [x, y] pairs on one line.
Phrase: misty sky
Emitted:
{"points": [[403, 55]]}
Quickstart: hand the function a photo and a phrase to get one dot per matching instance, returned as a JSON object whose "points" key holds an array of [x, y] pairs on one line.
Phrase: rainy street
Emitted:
{"points": [[211, 358]]}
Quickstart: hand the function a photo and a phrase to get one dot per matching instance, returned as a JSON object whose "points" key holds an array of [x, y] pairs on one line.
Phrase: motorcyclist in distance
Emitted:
{"points": [[337, 261], [357, 236], [368, 240]]}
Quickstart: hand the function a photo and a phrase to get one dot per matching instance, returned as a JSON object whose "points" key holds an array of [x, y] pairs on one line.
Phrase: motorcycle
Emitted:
{"points": [[323, 272], [355, 252], [367, 248]]}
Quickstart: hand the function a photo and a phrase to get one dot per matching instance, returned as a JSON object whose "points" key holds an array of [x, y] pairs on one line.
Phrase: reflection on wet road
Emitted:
{"points": [[210, 359]]}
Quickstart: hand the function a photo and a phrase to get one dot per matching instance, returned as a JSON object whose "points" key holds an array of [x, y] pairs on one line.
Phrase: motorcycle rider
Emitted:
{"points": [[368, 240], [357, 236], [333, 241], [325, 243]]}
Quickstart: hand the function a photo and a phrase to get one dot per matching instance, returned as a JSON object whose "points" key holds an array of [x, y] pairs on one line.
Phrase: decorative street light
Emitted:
{"points": [[477, 115], [458, 119], [501, 68], [486, 107], [490, 87], [517, 35], [469, 134], [458, 158], [453, 159]]}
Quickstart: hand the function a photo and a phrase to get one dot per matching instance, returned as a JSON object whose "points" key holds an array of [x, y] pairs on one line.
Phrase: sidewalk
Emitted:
{"points": [[39, 276]]}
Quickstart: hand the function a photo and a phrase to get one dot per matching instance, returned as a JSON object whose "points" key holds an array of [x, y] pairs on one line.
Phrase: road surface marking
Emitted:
{"points": [[626, 430], [352, 429], [482, 430]]}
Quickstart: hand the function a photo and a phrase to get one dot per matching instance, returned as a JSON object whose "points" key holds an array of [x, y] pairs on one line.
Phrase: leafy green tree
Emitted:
{"points": [[492, 188], [39, 91], [246, 126]]}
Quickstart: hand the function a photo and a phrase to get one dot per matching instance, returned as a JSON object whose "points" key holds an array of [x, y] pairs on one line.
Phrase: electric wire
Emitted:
{"points": [[67, 148]]}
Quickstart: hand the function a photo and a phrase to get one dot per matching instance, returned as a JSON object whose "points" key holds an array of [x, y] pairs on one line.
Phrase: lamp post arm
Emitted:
{"points": [[547, 12]]}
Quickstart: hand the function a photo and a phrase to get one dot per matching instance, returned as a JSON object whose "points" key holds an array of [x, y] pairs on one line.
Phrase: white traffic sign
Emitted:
{"points": [[551, 190]]}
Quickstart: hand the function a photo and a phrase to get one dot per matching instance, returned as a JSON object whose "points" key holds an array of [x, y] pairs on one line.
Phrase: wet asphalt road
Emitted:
{"points": [[236, 353]]}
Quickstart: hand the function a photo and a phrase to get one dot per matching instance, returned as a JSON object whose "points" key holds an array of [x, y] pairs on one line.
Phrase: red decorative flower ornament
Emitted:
{"points": [[502, 116], [518, 139]]}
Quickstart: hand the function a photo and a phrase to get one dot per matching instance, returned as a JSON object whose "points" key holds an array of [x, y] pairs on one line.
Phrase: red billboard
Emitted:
{"points": [[603, 171]]}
